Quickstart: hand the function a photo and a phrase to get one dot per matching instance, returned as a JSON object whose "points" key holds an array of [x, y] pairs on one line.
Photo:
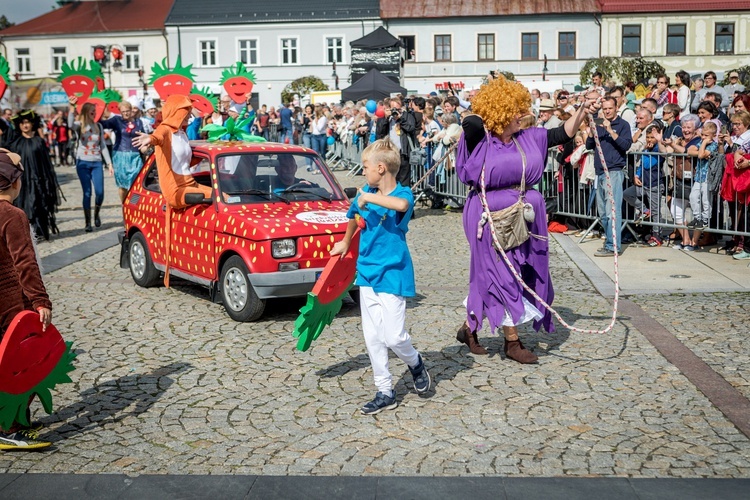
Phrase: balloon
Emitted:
{"points": [[331, 140], [380, 112], [371, 106]]}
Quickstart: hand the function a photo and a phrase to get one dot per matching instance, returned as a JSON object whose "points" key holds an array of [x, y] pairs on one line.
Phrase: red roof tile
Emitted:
{"points": [[96, 17], [630, 6], [416, 9]]}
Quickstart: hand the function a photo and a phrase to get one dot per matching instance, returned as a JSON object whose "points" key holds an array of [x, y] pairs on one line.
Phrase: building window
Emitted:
{"points": [[724, 38], [59, 57], [529, 46], [442, 47], [288, 51], [566, 45], [334, 50], [207, 52], [132, 57], [23, 61], [248, 50], [676, 39], [486, 47], [409, 44], [631, 40]]}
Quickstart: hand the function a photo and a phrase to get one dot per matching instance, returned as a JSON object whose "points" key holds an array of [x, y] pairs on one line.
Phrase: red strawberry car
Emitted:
{"points": [[267, 232]]}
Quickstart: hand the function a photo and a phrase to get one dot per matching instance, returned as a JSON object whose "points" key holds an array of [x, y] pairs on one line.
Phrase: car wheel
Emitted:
{"points": [[141, 266], [239, 298]]}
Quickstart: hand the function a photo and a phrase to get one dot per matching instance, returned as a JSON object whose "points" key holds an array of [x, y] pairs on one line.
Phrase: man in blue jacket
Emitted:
{"points": [[614, 136]]}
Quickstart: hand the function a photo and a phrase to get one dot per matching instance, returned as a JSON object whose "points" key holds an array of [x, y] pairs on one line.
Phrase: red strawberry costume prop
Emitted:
{"points": [[176, 81], [79, 79], [238, 82]]}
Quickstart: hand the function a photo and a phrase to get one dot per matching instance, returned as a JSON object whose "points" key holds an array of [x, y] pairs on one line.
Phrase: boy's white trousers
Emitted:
{"points": [[383, 318]]}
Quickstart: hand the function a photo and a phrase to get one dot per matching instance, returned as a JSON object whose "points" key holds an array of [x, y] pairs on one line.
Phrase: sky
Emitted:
{"points": [[18, 11]]}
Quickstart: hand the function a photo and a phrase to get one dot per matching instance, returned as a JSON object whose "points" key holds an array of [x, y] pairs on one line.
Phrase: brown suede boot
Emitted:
{"points": [[465, 336], [515, 350]]}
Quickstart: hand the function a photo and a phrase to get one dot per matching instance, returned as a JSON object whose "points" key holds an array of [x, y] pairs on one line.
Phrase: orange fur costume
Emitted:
{"points": [[174, 184]]}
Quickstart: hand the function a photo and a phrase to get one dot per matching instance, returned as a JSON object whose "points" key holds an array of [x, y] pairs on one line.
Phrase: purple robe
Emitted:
{"points": [[492, 287]]}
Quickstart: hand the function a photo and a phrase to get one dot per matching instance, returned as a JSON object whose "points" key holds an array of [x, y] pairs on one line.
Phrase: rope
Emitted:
{"points": [[614, 243], [436, 165]]}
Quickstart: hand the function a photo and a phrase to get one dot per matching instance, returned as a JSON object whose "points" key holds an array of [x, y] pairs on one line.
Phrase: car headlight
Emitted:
{"points": [[283, 248]]}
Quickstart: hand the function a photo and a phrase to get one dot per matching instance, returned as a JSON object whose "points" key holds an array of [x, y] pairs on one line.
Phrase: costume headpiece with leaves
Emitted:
{"points": [[203, 100], [79, 78], [238, 82], [178, 80], [4, 75]]}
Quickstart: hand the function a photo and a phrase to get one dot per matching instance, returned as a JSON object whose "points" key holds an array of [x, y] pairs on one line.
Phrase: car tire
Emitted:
{"points": [[354, 295], [237, 293], [139, 261]]}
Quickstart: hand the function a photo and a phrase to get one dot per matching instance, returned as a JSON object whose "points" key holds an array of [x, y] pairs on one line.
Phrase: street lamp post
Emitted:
{"points": [[102, 55], [335, 76]]}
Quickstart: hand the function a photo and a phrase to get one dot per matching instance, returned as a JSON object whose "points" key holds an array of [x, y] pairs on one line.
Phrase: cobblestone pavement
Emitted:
{"points": [[167, 383]]}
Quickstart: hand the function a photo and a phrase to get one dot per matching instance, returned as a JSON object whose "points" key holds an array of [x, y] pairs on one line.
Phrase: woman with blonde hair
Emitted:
{"points": [[493, 155], [318, 129], [91, 154]]}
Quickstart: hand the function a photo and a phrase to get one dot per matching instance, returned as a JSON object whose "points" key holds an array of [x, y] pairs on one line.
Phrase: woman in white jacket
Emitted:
{"points": [[683, 92]]}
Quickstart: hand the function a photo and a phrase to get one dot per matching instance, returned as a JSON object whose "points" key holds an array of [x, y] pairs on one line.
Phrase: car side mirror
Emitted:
{"points": [[197, 199], [350, 192]]}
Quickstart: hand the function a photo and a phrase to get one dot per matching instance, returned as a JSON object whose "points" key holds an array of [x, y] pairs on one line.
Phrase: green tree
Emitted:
{"points": [[302, 86], [4, 23], [621, 69]]}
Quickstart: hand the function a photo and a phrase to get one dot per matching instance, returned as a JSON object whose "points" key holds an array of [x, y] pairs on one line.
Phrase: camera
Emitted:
{"points": [[395, 113]]}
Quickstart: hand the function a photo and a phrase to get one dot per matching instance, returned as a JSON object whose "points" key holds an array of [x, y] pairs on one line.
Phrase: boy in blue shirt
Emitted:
{"points": [[699, 200], [385, 273]]}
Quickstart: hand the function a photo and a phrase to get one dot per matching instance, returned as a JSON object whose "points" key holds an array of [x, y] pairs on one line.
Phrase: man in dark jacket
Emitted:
{"points": [[400, 127], [614, 136]]}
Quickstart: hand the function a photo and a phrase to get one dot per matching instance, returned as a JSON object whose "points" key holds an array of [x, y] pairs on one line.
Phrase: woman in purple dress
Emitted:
{"points": [[488, 139]]}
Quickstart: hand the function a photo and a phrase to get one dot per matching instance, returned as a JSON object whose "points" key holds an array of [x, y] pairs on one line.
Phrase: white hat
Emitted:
{"points": [[135, 102], [148, 103]]}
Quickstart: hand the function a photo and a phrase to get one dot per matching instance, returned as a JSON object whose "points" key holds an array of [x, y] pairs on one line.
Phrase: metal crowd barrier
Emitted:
{"points": [[674, 202]]}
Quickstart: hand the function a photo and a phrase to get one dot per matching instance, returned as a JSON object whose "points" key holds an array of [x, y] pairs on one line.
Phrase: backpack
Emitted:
{"points": [[716, 164]]}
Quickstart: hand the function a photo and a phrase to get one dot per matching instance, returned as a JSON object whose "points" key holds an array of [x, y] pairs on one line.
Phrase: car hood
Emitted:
{"points": [[261, 221]]}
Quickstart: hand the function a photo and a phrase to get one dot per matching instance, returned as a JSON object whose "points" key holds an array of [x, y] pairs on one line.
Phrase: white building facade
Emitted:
{"points": [[464, 50]]}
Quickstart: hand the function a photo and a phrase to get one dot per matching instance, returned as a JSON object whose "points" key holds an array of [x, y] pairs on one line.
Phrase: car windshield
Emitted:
{"points": [[286, 177]]}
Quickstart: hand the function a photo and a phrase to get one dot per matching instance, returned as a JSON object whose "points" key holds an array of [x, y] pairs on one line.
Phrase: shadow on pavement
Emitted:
{"points": [[106, 402]]}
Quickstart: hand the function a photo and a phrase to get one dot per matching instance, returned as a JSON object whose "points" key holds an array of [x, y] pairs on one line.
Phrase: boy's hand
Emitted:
{"points": [[45, 317], [340, 248], [637, 181]]}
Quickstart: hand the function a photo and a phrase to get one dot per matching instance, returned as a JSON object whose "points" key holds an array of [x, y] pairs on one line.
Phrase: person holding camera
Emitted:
{"points": [[400, 127]]}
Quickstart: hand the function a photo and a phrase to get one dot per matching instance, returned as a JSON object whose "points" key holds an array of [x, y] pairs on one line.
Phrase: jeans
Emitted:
{"points": [[604, 207], [635, 195], [287, 134], [88, 172], [307, 142], [318, 142]]}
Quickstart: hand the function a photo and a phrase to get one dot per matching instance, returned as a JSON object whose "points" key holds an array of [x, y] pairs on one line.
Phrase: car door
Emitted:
{"points": [[194, 228], [143, 210]]}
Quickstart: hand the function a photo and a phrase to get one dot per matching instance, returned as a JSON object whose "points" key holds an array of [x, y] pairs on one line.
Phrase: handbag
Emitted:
{"points": [[509, 225]]}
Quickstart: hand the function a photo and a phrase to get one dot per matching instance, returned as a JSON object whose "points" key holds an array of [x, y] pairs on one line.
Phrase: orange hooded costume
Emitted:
{"points": [[173, 182], [174, 185]]}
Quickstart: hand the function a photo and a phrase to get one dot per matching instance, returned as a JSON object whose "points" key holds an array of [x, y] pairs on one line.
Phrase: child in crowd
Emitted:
{"points": [[649, 184], [21, 285], [699, 202], [385, 273]]}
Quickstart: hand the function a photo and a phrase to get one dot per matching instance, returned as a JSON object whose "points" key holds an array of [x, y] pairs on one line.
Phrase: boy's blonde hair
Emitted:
{"points": [[383, 151], [710, 127]]}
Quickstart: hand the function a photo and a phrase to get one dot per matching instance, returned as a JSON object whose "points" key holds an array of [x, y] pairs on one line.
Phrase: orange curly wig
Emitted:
{"points": [[499, 102]]}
